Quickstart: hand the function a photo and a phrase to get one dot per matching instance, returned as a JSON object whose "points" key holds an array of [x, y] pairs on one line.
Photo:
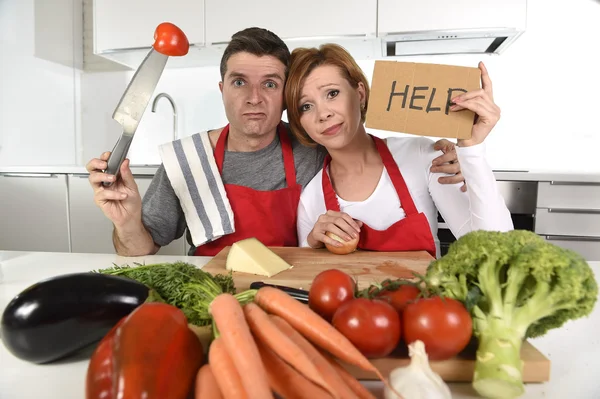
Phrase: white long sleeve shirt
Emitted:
{"points": [[480, 208]]}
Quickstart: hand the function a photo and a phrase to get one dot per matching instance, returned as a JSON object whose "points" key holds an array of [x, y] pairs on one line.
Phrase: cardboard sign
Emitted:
{"points": [[415, 98]]}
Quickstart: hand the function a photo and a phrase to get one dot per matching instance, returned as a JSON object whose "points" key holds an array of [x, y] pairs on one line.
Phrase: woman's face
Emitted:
{"points": [[330, 107]]}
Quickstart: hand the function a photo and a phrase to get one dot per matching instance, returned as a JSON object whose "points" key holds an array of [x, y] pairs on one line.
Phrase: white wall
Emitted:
{"points": [[38, 98], [546, 85]]}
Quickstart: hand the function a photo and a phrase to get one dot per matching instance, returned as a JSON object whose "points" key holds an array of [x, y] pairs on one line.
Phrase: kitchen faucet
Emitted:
{"points": [[168, 97]]}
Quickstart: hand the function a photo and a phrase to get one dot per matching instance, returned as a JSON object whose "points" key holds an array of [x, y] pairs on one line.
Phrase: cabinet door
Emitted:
{"points": [[413, 16], [303, 19], [120, 24], [33, 213], [91, 231]]}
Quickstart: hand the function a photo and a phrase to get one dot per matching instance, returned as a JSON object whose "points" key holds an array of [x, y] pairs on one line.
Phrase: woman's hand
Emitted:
{"points": [[338, 223], [481, 102]]}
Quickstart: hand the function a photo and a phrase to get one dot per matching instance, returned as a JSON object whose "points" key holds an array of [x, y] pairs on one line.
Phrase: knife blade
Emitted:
{"points": [[131, 107]]}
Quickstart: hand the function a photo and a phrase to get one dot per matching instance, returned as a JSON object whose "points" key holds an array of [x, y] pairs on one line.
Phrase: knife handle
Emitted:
{"points": [[117, 156], [296, 293]]}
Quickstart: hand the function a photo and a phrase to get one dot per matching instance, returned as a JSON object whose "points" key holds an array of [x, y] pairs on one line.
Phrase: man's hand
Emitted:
{"points": [[121, 202], [448, 164]]}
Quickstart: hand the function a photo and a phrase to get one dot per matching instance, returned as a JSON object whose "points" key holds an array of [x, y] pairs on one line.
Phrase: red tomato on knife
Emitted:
{"points": [[373, 326], [329, 290], [444, 326], [170, 40]]}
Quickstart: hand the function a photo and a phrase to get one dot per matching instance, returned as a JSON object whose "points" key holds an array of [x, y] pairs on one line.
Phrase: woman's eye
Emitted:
{"points": [[304, 107], [238, 82], [333, 93], [271, 85]]}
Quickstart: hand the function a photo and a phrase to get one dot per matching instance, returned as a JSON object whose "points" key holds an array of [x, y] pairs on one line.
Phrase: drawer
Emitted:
{"points": [[588, 248], [567, 222], [568, 195]]}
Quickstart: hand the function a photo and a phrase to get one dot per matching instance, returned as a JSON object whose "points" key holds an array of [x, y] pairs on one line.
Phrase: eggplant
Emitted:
{"points": [[59, 316], [296, 293]]}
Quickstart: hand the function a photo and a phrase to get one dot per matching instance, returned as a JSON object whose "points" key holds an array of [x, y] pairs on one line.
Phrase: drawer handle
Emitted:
{"points": [[580, 211], [44, 175], [571, 238], [572, 183]]}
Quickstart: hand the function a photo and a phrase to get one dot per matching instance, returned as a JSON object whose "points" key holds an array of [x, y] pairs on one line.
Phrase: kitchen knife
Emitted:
{"points": [[298, 294], [132, 105]]}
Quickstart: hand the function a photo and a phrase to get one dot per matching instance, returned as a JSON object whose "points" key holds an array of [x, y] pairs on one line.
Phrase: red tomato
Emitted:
{"points": [[329, 290], [444, 326], [372, 325], [400, 297], [170, 40]]}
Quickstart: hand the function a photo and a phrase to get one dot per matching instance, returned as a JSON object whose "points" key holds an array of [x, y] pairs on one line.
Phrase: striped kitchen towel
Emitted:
{"points": [[193, 172]]}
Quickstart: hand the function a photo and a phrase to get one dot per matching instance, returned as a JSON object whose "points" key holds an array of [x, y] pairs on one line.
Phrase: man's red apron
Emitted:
{"points": [[270, 216], [409, 234]]}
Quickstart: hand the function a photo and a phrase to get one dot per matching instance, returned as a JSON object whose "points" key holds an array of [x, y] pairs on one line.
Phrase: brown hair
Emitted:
{"points": [[303, 62], [257, 41]]}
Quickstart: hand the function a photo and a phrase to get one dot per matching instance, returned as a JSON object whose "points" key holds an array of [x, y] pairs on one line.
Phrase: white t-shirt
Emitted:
{"points": [[480, 208]]}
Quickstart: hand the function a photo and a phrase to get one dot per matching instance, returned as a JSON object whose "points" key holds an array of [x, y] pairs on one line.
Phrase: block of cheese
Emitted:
{"points": [[252, 256]]}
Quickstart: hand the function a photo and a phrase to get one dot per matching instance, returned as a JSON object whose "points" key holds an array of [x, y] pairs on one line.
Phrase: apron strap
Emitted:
{"points": [[390, 164], [286, 148], [331, 202]]}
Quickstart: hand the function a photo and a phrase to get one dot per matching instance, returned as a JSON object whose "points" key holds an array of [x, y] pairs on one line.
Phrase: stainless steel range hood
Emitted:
{"points": [[431, 27], [466, 41]]}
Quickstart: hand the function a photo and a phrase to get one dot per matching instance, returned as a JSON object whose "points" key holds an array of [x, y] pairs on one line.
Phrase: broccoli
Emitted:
{"points": [[516, 286]]}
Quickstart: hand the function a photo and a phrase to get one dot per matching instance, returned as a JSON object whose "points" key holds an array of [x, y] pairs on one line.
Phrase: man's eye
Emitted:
{"points": [[333, 93], [271, 85], [238, 82]]}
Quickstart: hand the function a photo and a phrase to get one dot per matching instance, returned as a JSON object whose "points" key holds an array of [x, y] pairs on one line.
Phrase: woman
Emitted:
{"points": [[382, 191]]}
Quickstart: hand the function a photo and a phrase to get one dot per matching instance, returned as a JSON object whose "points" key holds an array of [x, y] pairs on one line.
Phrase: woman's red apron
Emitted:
{"points": [[269, 216], [409, 234]]}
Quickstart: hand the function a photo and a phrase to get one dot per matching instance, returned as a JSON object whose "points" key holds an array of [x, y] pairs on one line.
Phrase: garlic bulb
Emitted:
{"points": [[417, 380]]}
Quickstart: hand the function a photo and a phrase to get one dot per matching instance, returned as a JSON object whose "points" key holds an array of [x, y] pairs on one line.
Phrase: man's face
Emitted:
{"points": [[253, 93]]}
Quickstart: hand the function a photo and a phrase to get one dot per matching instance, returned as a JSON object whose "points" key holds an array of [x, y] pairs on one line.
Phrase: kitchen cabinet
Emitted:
{"points": [[34, 212], [298, 20], [413, 16], [130, 24], [91, 231], [568, 215]]}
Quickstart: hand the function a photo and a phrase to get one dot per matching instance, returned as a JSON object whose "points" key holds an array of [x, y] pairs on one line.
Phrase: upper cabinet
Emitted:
{"points": [[126, 24], [291, 20], [123, 29]]}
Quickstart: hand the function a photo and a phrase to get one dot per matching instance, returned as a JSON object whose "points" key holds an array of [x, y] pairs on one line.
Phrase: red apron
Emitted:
{"points": [[269, 216], [409, 234]]}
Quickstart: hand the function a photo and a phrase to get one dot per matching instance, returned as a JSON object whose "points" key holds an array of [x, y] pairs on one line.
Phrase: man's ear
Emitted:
{"points": [[221, 87]]}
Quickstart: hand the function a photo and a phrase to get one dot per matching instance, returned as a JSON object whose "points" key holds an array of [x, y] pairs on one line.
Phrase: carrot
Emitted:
{"points": [[265, 331], [228, 316], [206, 385], [324, 367], [226, 375], [315, 328], [349, 379], [287, 381]]}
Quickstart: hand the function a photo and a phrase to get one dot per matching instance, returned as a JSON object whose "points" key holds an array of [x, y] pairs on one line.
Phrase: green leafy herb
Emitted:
{"points": [[179, 284]]}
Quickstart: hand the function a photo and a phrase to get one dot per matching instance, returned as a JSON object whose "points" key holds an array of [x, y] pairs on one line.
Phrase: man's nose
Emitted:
{"points": [[254, 97]]}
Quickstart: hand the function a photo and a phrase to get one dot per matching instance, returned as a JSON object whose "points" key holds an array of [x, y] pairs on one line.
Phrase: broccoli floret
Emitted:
{"points": [[516, 285]]}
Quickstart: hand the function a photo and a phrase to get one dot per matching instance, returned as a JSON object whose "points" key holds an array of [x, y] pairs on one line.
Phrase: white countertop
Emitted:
{"points": [[574, 349], [150, 170]]}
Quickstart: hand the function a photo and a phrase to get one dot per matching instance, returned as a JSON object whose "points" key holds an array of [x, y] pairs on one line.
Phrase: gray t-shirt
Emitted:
{"points": [[261, 170]]}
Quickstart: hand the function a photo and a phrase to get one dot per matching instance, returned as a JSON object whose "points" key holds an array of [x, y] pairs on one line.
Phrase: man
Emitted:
{"points": [[262, 166]]}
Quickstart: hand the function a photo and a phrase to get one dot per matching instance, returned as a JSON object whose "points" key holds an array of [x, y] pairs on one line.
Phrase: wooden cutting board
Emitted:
{"points": [[369, 267], [365, 266]]}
